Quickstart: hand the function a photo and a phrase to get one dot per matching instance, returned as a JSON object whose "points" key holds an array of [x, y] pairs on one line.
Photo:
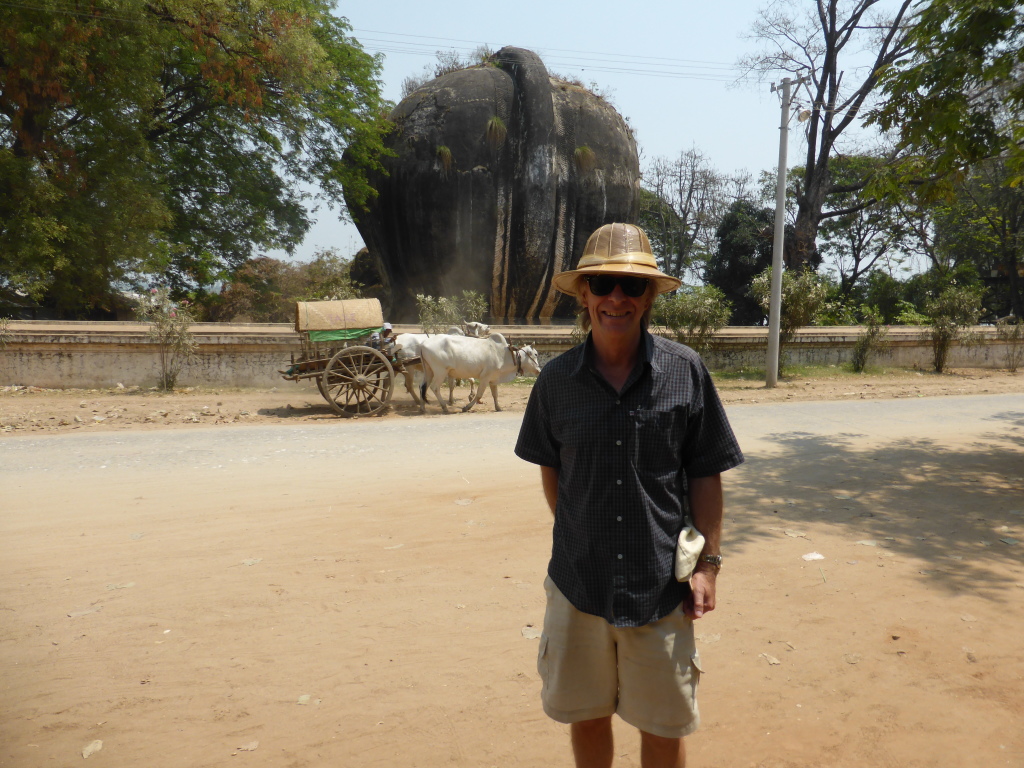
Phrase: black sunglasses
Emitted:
{"points": [[602, 285]]}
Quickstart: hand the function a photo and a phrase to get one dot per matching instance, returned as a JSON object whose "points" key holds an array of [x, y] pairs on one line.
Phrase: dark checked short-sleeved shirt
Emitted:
{"points": [[623, 460]]}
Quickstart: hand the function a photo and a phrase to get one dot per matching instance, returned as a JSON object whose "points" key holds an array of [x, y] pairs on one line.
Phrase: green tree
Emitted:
{"points": [[826, 42], [871, 233], [265, 290], [745, 241], [682, 202], [984, 224], [959, 97], [884, 293], [169, 138], [327, 277]]}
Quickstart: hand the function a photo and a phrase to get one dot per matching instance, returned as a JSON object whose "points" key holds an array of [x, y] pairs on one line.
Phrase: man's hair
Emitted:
{"points": [[583, 316]]}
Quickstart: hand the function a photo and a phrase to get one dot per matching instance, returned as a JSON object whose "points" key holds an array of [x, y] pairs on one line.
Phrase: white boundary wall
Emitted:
{"points": [[93, 355]]}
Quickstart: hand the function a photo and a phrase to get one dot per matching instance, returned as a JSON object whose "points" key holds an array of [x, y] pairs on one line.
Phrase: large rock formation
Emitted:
{"points": [[500, 174]]}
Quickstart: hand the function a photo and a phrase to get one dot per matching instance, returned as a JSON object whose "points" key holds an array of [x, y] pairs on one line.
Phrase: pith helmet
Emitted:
{"points": [[616, 249]]}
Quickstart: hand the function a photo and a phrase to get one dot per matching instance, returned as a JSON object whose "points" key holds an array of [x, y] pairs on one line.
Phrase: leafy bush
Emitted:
{"points": [[437, 315], [694, 315], [170, 328], [804, 295], [907, 314], [1011, 331], [835, 311], [873, 340], [496, 132], [950, 313]]}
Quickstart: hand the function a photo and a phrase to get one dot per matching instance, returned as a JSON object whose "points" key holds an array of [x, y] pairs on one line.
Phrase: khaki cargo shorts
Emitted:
{"points": [[647, 675]]}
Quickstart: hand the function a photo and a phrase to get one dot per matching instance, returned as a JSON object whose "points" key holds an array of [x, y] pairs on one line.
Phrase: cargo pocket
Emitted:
{"points": [[542, 660], [696, 670]]}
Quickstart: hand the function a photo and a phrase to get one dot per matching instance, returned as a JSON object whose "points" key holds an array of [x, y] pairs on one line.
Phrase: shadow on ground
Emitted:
{"points": [[913, 497]]}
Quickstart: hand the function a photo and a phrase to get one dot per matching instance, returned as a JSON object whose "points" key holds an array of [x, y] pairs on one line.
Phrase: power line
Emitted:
{"points": [[623, 67], [585, 61], [599, 55]]}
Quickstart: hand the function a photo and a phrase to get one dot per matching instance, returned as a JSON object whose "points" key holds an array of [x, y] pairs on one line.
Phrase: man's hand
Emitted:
{"points": [[706, 507], [702, 591]]}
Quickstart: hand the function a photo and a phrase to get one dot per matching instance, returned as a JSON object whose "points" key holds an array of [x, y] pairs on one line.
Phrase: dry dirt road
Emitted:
{"points": [[27, 409], [367, 593]]}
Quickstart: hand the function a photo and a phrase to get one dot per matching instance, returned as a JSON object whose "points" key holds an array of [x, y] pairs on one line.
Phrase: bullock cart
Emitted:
{"points": [[355, 377]]}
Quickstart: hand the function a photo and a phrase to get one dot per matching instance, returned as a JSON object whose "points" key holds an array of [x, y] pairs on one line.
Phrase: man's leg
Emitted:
{"points": [[592, 743], [659, 752]]}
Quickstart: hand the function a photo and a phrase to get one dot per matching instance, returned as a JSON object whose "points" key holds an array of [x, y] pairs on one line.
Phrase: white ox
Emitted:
{"points": [[476, 330], [407, 347], [489, 360]]}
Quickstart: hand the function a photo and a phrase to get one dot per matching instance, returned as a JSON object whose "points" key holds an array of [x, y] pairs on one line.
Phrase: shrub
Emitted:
{"points": [[950, 313], [496, 132], [907, 314], [170, 329], [444, 154], [437, 315], [694, 315], [835, 311], [585, 159], [874, 339], [1011, 331], [804, 293]]}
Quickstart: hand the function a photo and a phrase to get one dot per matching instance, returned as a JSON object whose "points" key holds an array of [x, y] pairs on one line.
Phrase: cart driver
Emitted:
{"points": [[382, 339]]}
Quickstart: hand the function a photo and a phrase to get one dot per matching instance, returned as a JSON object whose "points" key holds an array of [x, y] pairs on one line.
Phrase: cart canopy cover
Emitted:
{"points": [[338, 320]]}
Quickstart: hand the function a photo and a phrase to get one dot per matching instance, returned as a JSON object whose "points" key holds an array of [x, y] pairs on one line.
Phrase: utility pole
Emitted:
{"points": [[775, 303]]}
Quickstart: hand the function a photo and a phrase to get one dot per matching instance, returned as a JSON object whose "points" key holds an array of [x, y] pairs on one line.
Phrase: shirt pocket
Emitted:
{"points": [[657, 441]]}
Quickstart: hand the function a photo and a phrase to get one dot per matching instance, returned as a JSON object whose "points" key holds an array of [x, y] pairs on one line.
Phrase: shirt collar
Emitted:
{"points": [[646, 356]]}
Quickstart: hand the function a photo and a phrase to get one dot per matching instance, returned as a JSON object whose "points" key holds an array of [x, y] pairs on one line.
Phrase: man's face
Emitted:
{"points": [[615, 316]]}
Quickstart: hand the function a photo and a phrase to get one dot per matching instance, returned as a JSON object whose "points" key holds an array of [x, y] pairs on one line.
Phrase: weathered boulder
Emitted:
{"points": [[500, 174]]}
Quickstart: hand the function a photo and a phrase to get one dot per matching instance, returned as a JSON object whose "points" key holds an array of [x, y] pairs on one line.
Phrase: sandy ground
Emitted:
{"points": [[27, 409], [303, 590]]}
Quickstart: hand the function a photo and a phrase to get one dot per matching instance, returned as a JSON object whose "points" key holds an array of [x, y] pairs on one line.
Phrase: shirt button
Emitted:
{"points": [[618, 442], [618, 482], [618, 518], [618, 402], [620, 557]]}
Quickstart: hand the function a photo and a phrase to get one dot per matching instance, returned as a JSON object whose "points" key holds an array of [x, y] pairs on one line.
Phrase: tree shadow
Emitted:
{"points": [[916, 497]]}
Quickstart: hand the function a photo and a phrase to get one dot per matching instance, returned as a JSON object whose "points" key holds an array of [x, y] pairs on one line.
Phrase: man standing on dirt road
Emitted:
{"points": [[631, 439]]}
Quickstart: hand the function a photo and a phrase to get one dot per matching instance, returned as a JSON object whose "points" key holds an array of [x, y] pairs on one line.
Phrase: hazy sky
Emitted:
{"points": [[670, 69]]}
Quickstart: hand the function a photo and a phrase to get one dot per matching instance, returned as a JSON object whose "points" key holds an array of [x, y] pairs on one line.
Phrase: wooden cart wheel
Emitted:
{"points": [[320, 385], [358, 381]]}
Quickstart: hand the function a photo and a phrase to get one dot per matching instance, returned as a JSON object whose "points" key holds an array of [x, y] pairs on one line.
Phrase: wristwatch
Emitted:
{"points": [[712, 560]]}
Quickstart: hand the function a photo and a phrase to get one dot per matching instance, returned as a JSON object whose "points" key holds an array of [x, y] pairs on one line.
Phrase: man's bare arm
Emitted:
{"points": [[706, 506], [549, 480]]}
